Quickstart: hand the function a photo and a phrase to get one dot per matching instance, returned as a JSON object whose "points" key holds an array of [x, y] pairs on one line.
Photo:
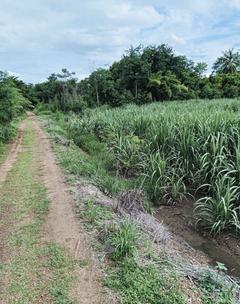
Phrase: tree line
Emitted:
{"points": [[142, 75]]}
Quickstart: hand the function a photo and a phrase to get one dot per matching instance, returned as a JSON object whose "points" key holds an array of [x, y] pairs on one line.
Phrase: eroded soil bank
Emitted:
{"points": [[180, 221]]}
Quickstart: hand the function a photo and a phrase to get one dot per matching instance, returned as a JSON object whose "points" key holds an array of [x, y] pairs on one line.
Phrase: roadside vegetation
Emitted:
{"points": [[3, 152], [172, 151], [12, 105], [134, 269]]}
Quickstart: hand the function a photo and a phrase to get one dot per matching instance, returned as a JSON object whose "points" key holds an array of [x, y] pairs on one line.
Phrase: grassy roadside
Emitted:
{"points": [[94, 163], [139, 284], [32, 270], [133, 271], [136, 274], [4, 146]]}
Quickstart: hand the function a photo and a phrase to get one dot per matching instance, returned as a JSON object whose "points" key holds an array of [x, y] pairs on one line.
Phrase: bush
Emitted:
{"points": [[12, 104]]}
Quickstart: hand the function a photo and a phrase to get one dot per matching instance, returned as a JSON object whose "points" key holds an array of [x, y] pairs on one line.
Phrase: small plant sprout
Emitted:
{"points": [[221, 268]]}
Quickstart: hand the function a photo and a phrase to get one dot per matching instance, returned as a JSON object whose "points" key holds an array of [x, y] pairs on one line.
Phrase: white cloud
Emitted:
{"points": [[40, 37], [177, 39], [143, 16]]}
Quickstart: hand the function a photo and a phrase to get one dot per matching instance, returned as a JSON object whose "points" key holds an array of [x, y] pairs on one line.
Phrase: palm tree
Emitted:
{"points": [[228, 63]]}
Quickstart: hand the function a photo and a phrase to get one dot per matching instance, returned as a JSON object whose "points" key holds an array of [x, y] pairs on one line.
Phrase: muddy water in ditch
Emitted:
{"points": [[180, 221]]}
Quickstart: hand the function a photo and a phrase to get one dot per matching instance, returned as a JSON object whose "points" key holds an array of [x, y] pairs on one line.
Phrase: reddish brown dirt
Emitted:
{"points": [[62, 226]]}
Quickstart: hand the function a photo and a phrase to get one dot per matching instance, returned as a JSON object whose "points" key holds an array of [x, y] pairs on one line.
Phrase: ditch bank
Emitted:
{"points": [[174, 229], [188, 251], [224, 248]]}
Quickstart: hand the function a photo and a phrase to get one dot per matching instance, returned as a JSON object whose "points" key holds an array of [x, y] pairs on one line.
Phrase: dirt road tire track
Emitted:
{"points": [[62, 226], [6, 212]]}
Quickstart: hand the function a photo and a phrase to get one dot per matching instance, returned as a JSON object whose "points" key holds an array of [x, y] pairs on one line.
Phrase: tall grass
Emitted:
{"points": [[177, 148]]}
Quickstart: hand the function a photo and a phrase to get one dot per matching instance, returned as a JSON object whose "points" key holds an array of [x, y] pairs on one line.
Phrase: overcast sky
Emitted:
{"points": [[39, 37]]}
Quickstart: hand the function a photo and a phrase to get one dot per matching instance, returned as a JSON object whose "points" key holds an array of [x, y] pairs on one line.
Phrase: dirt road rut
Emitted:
{"points": [[61, 226]]}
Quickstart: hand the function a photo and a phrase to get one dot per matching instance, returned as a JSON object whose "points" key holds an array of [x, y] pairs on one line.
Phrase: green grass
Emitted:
{"points": [[144, 284], [120, 239], [215, 292], [12, 133], [95, 213], [34, 269], [61, 266], [135, 281], [93, 166], [172, 150], [3, 152], [123, 240]]}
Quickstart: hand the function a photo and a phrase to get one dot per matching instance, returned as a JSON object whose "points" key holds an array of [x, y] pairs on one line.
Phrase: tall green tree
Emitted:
{"points": [[228, 63], [60, 92], [166, 87], [133, 72], [153, 73]]}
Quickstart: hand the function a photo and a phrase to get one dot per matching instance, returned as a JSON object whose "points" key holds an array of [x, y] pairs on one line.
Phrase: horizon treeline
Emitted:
{"points": [[142, 75]]}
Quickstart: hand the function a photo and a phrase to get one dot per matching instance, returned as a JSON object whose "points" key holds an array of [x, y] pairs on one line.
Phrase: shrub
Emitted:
{"points": [[12, 104]]}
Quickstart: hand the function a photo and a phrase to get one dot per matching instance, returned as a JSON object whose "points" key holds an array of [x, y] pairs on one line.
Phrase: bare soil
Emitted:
{"points": [[180, 221]]}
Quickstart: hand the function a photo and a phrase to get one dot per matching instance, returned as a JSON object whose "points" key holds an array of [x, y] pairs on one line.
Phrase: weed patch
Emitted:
{"points": [[123, 240], [143, 284], [94, 213]]}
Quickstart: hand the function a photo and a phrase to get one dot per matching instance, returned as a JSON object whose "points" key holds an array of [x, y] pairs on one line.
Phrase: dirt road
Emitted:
{"points": [[60, 225]]}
